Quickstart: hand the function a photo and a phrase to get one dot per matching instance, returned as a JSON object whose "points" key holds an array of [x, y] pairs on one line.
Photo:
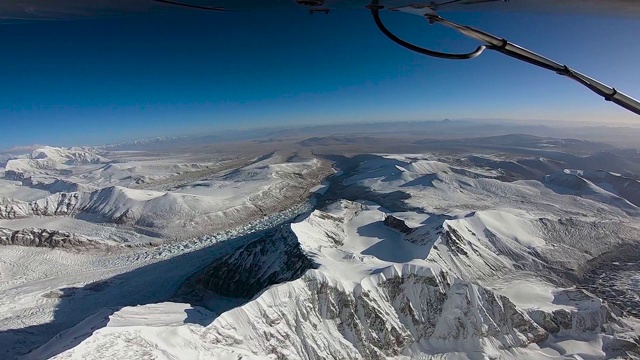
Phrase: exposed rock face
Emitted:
{"points": [[593, 316], [45, 238], [454, 241], [13, 175], [397, 224], [56, 204], [274, 258], [458, 311], [313, 314], [373, 322]]}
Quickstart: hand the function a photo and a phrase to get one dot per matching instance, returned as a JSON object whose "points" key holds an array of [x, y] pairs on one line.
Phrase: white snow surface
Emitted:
{"points": [[40, 286], [357, 256], [161, 198], [473, 259], [14, 190], [54, 158]]}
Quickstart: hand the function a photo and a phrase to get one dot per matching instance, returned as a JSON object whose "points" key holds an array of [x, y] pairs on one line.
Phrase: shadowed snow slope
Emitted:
{"points": [[598, 184]]}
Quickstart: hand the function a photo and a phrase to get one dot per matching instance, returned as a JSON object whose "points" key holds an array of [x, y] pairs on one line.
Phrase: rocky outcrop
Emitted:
{"points": [[377, 320], [46, 238], [274, 258], [454, 241], [397, 224], [458, 311], [54, 205], [57, 204], [13, 175]]}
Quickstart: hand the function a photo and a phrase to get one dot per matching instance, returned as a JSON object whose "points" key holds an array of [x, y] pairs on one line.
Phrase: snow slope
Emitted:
{"points": [[54, 158], [45, 291], [193, 208], [598, 184], [482, 269], [372, 294]]}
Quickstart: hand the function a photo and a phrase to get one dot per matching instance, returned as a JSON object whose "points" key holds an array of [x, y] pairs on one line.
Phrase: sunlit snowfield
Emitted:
{"points": [[363, 246]]}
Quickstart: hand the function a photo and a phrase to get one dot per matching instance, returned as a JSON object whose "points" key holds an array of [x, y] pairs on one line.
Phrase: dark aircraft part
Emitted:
{"points": [[25, 10], [190, 5], [375, 11], [436, 6], [310, 2], [321, 10], [503, 46]]}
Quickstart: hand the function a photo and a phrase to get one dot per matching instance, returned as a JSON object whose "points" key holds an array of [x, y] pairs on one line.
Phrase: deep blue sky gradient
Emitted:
{"points": [[107, 80]]}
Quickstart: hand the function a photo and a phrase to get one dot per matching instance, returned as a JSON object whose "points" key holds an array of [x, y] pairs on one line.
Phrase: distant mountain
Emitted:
{"points": [[144, 144], [613, 161], [336, 140], [523, 141], [54, 158]]}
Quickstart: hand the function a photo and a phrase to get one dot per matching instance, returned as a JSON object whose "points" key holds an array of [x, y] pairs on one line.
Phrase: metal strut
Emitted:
{"points": [[375, 11], [492, 42]]}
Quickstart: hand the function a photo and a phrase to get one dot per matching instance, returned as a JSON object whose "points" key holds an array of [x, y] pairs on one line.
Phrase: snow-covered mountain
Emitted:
{"points": [[371, 293], [274, 258], [428, 256], [142, 143], [187, 208], [54, 158], [599, 181], [167, 214]]}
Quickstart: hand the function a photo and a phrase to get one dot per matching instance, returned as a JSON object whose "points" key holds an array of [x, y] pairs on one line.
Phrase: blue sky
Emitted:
{"points": [[107, 80]]}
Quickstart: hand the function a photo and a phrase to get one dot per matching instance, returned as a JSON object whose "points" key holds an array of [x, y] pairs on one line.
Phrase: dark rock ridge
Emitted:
{"points": [[454, 241], [397, 224], [54, 205], [273, 258], [378, 322], [13, 175], [45, 238]]}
